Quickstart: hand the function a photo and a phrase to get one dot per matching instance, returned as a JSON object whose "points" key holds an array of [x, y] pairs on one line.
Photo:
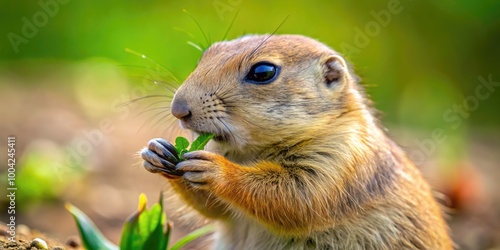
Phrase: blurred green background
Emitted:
{"points": [[437, 49], [64, 69]]}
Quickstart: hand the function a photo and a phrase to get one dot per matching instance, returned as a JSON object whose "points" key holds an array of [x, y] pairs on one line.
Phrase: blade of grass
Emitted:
{"points": [[92, 238], [192, 236], [131, 237]]}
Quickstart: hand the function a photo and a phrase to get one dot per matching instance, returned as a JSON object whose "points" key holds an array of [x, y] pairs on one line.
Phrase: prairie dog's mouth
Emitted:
{"points": [[220, 135], [217, 137]]}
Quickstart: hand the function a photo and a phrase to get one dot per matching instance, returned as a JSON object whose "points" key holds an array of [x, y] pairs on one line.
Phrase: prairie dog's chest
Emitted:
{"points": [[242, 234]]}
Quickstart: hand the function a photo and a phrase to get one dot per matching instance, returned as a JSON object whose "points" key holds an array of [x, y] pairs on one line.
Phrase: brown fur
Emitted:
{"points": [[301, 162]]}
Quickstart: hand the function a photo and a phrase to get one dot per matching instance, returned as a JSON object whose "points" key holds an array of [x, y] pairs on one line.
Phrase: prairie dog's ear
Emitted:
{"points": [[335, 68]]}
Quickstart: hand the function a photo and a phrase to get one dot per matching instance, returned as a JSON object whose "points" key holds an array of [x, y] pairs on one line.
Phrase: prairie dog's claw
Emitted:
{"points": [[164, 148], [160, 157]]}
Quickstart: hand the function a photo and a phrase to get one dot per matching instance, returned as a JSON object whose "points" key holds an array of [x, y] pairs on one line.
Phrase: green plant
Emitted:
{"points": [[182, 144], [146, 229]]}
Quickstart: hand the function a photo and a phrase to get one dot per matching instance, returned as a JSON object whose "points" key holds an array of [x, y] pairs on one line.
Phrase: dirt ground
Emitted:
{"points": [[25, 240], [41, 117]]}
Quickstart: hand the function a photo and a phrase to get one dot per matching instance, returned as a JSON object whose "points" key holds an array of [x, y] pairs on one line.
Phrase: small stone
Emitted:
{"points": [[73, 241], [39, 244], [58, 248]]}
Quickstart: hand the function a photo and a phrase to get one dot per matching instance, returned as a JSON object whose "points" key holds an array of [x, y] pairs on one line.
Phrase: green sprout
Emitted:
{"points": [[144, 229], [182, 144]]}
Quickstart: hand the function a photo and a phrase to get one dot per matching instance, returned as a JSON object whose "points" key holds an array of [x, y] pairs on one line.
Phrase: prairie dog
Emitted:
{"points": [[299, 160]]}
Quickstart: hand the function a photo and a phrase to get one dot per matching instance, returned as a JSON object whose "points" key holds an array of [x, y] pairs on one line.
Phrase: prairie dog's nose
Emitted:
{"points": [[180, 108]]}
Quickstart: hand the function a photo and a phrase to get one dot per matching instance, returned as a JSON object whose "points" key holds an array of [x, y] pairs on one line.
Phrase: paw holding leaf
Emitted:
{"points": [[201, 168], [196, 166], [161, 157]]}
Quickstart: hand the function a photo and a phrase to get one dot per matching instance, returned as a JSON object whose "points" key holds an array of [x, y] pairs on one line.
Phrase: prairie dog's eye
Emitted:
{"points": [[262, 73]]}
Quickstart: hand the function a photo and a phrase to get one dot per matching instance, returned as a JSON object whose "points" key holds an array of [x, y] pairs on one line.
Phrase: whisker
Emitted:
{"points": [[267, 38], [161, 118], [152, 118], [233, 138], [171, 87], [159, 72], [134, 66], [170, 127], [222, 92], [166, 86], [189, 34], [149, 110], [139, 99], [152, 72], [170, 74], [199, 27], [230, 25], [166, 73], [157, 102]]}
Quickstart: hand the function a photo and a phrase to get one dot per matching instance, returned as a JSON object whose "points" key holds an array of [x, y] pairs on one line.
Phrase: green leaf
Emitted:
{"points": [[130, 236], [200, 142], [157, 239], [181, 145], [181, 158], [144, 229], [92, 238], [192, 236], [130, 233]]}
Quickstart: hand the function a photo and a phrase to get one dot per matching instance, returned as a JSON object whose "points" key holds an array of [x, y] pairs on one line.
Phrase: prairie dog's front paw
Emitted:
{"points": [[201, 168], [160, 157]]}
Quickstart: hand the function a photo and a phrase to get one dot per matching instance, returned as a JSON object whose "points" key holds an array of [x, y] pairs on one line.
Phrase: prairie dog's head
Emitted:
{"points": [[252, 92]]}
